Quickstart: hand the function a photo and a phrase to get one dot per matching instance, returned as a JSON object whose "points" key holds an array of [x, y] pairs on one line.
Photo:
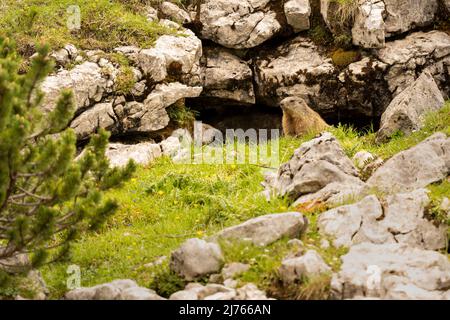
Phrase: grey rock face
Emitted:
{"points": [[407, 111], [401, 220], [142, 153], [196, 258], [233, 269], [99, 116], [369, 28], [88, 83], [297, 14], [238, 24], [392, 271], [174, 12], [295, 68], [308, 265], [151, 115], [115, 290], [227, 77], [415, 168], [318, 171], [404, 15], [419, 51], [195, 291], [266, 229], [376, 20], [172, 55]]}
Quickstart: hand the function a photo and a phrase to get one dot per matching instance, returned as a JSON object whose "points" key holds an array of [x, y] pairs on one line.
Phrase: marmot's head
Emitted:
{"points": [[295, 105]]}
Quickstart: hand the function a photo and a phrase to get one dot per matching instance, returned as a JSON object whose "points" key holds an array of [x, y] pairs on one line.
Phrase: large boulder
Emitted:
{"points": [[143, 153], [172, 11], [227, 77], [369, 28], [239, 24], [405, 15], [264, 230], [406, 113], [295, 68], [402, 220], [175, 56], [115, 290], [319, 171], [415, 168], [101, 115], [372, 21], [297, 14], [196, 258], [196, 291], [407, 58], [87, 81], [364, 90], [392, 271], [151, 115]]}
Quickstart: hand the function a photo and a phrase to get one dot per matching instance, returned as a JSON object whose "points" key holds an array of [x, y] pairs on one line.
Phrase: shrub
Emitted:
{"points": [[46, 197]]}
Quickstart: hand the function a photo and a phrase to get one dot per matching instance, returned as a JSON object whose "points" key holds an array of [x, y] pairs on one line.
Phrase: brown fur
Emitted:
{"points": [[299, 119]]}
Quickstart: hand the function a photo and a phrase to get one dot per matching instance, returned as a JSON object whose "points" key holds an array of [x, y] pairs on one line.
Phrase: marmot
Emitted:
{"points": [[299, 119]]}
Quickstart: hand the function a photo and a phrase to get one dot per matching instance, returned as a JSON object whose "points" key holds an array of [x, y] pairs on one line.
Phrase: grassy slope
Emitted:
{"points": [[167, 203], [105, 24]]}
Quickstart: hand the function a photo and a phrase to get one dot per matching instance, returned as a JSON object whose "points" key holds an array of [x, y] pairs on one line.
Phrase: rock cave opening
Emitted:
{"points": [[223, 116]]}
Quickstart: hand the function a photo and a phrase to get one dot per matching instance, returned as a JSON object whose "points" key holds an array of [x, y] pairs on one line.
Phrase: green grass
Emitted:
{"points": [[104, 24], [167, 203]]}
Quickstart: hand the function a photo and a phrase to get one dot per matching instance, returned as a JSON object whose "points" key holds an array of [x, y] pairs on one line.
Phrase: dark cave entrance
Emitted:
{"points": [[223, 116]]}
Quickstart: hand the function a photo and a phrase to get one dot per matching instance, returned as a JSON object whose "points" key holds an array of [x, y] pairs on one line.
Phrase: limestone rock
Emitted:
{"points": [[238, 24], [406, 58], [369, 28], [392, 271], [101, 115], [267, 229], [142, 153], [177, 56], [309, 265], [404, 15], [227, 77], [87, 81], [295, 68], [139, 293], [362, 158], [195, 291], [402, 220], [343, 223], [174, 12], [115, 290], [151, 115], [196, 258], [231, 270], [415, 168], [250, 292], [297, 14], [170, 146], [407, 111], [318, 171], [17, 263]]}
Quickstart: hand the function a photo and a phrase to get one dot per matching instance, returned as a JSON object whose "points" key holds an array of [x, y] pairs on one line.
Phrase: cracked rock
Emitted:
{"points": [[392, 271], [264, 230], [402, 220], [196, 258]]}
